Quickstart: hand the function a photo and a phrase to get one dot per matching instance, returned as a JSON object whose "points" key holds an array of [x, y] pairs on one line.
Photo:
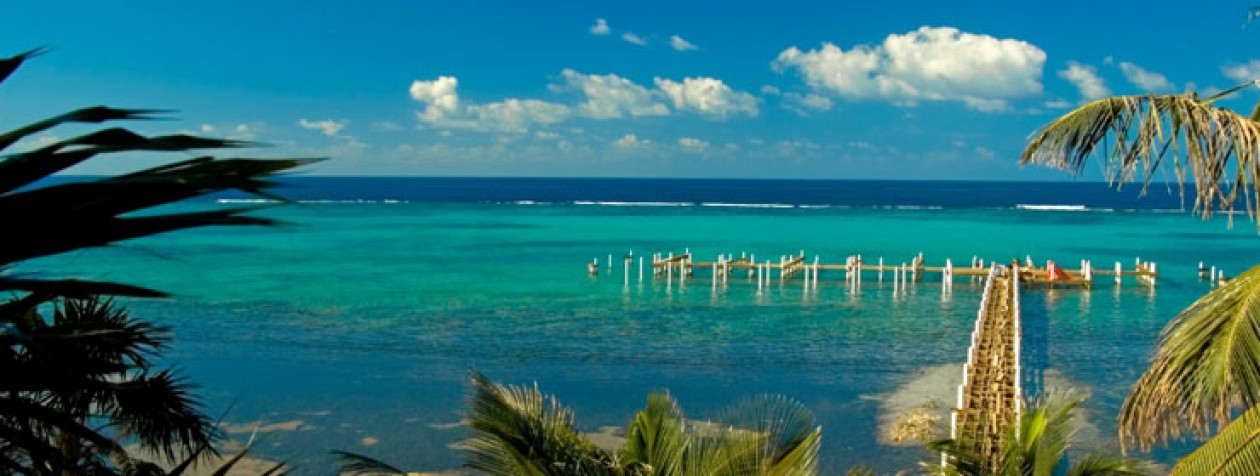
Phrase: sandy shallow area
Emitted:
{"points": [[934, 390]]}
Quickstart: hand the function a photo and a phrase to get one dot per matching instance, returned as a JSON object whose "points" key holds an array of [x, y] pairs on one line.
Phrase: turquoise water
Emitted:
{"points": [[365, 319]]}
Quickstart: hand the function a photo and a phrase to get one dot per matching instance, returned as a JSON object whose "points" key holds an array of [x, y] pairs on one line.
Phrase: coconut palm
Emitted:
{"points": [[521, 431], [1036, 445], [1206, 369], [79, 383]]}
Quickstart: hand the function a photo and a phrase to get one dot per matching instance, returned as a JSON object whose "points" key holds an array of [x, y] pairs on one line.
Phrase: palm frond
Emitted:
{"points": [[1108, 465], [1199, 139], [93, 114], [1040, 438], [657, 437], [1236, 450], [1206, 365], [521, 431], [355, 464], [792, 438], [11, 64]]}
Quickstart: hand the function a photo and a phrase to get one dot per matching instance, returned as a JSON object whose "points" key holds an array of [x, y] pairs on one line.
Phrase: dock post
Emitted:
{"points": [[815, 271], [715, 274], [1151, 268], [758, 268], [1119, 272], [881, 269], [1212, 277], [896, 279], [640, 269], [628, 261], [947, 277]]}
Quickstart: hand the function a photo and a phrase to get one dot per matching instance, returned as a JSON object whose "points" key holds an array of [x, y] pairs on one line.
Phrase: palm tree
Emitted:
{"points": [[1036, 445], [521, 431], [1206, 369], [80, 383]]}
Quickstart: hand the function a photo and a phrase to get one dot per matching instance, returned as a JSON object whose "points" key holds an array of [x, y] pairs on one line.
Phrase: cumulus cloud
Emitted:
{"points": [[630, 141], [692, 144], [600, 28], [931, 63], [443, 109], [611, 96], [605, 97], [680, 44], [807, 102], [630, 37], [1146, 80], [769, 90], [328, 127], [1249, 71], [1086, 80], [438, 95], [707, 96]]}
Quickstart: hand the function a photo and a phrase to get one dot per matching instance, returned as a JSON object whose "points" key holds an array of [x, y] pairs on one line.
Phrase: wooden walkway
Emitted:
{"points": [[990, 396]]}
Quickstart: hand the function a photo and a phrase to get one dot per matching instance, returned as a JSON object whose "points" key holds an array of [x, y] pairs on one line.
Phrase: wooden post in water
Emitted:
{"points": [[947, 277], [1119, 272], [881, 269], [640, 269], [1151, 277], [629, 260]]}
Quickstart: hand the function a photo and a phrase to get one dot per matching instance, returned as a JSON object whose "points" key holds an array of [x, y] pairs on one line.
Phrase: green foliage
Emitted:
{"points": [[1036, 445], [521, 431], [1235, 451], [80, 381], [1207, 364]]}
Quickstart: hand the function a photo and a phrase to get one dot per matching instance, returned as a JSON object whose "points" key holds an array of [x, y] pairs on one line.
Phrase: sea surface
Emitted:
{"points": [[357, 323]]}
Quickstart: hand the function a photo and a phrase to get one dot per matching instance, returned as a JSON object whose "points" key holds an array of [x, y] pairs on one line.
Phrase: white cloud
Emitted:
{"points": [[611, 96], [931, 63], [387, 126], [546, 135], [769, 90], [600, 28], [807, 102], [680, 44], [439, 96], [329, 127], [692, 144], [1086, 80], [1058, 104], [633, 38], [1244, 72], [707, 96], [443, 109], [630, 141], [1147, 81]]}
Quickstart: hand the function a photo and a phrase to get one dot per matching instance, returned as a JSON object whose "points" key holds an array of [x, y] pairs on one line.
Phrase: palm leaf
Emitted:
{"points": [[1148, 131], [521, 431], [790, 436], [1102, 465], [11, 64], [656, 436], [1235, 451], [93, 114], [1207, 364], [355, 464]]}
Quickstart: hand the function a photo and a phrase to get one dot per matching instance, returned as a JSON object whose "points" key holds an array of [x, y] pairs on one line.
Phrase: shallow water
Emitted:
{"points": [[364, 319]]}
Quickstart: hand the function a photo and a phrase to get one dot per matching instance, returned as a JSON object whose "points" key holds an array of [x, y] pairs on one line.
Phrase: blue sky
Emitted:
{"points": [[818, 89]]}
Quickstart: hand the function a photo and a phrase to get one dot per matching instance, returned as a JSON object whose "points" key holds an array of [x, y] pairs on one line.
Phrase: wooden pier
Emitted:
{"points": [[990, 398], [683, 267]]}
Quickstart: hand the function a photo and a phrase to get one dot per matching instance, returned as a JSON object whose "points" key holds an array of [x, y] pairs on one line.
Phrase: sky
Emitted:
{"points": [[924, 90]]}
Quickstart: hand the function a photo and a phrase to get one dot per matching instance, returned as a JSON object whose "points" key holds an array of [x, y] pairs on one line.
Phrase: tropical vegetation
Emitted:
{"points": [[81, 384], [521, 431], [1034, 445], [1205, 375]]}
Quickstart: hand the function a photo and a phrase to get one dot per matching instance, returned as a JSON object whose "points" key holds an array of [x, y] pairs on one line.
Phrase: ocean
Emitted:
{"points": [[356, 324]]}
